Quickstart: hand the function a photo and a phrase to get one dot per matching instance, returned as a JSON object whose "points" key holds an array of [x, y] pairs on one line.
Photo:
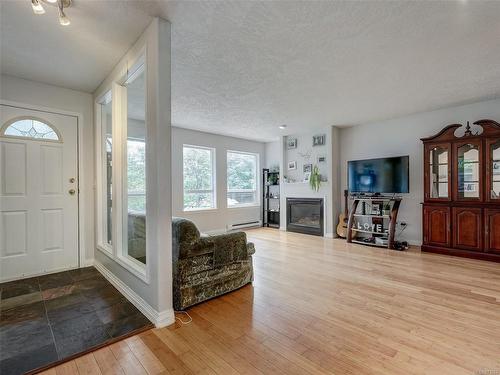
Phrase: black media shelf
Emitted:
{"points": [[271, 199]]}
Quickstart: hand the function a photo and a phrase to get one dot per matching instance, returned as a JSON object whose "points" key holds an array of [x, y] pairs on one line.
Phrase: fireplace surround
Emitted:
{"points": [[305, 215]]}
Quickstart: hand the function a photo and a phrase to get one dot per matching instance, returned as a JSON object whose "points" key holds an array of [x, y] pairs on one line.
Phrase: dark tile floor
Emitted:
{"points": [[46, 319]]}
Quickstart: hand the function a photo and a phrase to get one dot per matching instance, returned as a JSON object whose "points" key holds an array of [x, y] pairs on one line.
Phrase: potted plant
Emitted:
{"points": [[315, 179]]}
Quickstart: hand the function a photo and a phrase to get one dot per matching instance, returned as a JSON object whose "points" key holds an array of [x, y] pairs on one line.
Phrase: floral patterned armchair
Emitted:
{"points": [[205, 267]]}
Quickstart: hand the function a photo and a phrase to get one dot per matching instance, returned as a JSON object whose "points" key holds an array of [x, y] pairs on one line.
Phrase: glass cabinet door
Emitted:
{"points": [[494, 168], [438, 172], [468, 171]]}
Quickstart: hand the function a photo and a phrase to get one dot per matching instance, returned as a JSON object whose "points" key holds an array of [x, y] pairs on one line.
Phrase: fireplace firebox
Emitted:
{"points": [[305, 215]]}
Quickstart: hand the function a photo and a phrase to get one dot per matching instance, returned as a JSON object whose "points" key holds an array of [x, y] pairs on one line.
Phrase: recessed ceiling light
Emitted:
{"points": [[282, 127]]}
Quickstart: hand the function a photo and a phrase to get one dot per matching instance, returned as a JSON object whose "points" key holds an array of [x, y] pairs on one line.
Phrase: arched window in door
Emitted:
{"points": [[30, 127]]}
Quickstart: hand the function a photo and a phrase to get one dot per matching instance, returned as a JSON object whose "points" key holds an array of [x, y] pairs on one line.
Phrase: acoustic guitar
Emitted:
{"points": [[343, 218]]}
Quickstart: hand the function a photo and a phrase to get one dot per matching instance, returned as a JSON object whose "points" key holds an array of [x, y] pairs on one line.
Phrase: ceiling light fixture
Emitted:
{"points": [[282, 127], [37, 7], [60, 4], [63, 20]]}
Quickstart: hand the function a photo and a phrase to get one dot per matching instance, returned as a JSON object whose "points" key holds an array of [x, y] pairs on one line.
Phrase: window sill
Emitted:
{"points": [[253, 205], [135, 267], [138, 270], [107, 249], [200, 210]]}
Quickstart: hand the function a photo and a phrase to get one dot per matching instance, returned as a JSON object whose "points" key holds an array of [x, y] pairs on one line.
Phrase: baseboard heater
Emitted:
{"points": [[244, 225]]}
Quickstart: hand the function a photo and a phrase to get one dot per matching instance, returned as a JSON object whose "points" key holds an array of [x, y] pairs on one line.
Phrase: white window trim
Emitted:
{"points": [[214, 180], [118, 252], [123, 257], [102, 244], [257, 202]]}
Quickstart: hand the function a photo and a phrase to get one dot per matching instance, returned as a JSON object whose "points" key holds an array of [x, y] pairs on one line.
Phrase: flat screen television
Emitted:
{"points": [[384, 175]]}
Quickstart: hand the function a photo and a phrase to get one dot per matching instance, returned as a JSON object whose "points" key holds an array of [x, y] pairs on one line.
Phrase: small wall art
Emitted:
{"points": [[292, 165], [321, 159], [307, 168], [291, 143], [319, 140]]}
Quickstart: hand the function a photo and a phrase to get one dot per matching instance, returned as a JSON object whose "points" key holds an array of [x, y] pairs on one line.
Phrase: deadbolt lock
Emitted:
{"points": [[72, 180]]}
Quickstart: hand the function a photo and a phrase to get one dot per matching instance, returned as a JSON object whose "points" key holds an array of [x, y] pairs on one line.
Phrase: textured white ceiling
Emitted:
{"points": [[78, 56], [243, 68]]}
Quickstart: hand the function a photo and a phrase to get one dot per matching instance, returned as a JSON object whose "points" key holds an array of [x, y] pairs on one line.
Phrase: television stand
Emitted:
{"points": [[372, 220]]}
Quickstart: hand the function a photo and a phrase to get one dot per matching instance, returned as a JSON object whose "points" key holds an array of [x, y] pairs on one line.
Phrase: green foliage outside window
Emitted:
{"points": [[136, 175], [241, 178], [197, 171]]}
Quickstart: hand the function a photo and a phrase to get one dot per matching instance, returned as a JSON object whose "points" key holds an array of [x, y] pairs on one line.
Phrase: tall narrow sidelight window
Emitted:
{"points": [[134, 181], [107, 159], [104, 113], [241, 179], [198, 178]]}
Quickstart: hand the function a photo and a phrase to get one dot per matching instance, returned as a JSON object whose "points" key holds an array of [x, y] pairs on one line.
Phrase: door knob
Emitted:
{"points": [[72, 191]]}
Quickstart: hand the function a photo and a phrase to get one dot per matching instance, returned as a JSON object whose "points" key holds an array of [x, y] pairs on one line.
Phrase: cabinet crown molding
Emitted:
{"points": [[489, 127]]}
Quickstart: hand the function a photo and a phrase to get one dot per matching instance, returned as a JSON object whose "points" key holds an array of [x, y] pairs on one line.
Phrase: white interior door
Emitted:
{"points": [[38, 192]]}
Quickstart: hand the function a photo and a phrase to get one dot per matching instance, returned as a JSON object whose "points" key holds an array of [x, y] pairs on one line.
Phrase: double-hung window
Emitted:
{"points": [[242, 179], [198, 178]]}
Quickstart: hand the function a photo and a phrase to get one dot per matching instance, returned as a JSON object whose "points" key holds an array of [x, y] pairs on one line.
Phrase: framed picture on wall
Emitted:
{"points": [[307, 176], [292, 165], [307, 168], [291, 143], [319, 140], [321, 159]]}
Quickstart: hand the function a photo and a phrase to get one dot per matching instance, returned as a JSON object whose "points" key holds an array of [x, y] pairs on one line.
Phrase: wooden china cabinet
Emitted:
{"points": [[461, 209]]}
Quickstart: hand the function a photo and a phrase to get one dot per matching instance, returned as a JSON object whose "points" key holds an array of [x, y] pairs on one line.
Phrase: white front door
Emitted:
{"points": [[38, 192]]}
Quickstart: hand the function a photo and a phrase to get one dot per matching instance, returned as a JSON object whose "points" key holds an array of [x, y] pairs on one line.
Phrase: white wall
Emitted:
{"points": [[152, 294], [402, 137], [273, 154], [60, 99], [218, 219], [329, 189], [305, 153]]}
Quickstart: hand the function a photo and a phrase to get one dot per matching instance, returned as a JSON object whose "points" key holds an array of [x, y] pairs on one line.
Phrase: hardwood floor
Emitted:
{"points": [[321, 306]]}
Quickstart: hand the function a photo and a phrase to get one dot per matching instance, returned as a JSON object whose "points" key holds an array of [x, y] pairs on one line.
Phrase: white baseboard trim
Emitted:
{"points": [[158, 318], [329, 235], [88, 263]]}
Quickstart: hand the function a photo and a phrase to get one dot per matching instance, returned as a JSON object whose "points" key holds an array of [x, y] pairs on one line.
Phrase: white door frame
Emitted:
{"points": [[82, 261]]}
